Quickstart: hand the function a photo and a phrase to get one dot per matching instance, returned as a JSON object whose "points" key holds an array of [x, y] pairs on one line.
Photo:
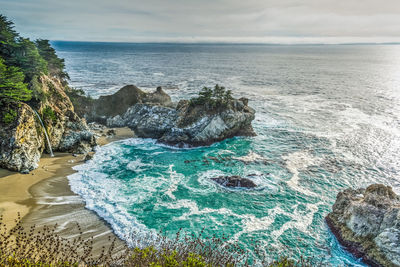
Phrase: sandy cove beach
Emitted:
{"points": [[43, 197]]}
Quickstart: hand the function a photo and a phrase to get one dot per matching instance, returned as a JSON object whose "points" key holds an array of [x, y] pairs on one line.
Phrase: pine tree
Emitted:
{"points": [[12, 86]]}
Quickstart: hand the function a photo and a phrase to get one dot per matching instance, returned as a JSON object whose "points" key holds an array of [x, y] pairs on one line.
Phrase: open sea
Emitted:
{"points": [[327, 118]]}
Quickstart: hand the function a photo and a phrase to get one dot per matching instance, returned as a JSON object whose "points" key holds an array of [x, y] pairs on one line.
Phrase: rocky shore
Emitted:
{"points": [[154, 115], [149, 115], [366, 222]]}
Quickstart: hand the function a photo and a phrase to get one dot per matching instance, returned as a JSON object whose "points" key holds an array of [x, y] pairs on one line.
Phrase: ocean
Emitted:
{"points": [[327, 118]]}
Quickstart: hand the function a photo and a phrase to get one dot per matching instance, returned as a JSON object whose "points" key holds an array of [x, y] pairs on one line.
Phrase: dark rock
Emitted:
{"points": [[89, 156], [234, 182], [24, 171], [367, 223], [111, 132]]}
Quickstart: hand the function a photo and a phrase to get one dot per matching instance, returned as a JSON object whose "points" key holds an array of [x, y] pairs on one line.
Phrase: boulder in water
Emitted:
{"points": [[367, 223], [234, 182]]}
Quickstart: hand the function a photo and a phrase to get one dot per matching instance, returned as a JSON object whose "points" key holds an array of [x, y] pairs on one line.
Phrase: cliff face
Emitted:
{"points": [[67, 131], [367, 223], [184, 124], [99, 110], [23, 141]]}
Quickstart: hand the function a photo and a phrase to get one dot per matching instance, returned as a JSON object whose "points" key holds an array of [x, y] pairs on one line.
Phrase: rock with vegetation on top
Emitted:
{"points": [[188, 123], [367, 223]]}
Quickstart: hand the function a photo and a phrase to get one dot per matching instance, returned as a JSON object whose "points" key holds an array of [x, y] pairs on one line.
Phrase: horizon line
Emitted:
{"points": [[228, 43]]}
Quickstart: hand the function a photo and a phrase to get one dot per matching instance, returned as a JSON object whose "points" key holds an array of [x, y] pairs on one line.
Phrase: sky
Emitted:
{"points": [[234, 21]]}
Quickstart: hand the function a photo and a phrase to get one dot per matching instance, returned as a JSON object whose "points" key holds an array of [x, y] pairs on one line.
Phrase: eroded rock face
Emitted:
{"points": [[183, 124], [109, 106], [367, 223], [67, 131], [21, 142], [234, 182]]}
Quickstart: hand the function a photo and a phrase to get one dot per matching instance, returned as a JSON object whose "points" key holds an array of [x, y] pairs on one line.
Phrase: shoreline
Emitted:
{"points": [[44, 197]]}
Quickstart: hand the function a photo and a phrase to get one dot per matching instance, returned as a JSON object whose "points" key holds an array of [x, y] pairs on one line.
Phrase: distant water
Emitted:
{"points": [[328, 118]]}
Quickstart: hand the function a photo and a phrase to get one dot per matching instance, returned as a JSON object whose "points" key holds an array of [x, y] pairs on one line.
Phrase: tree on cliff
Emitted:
{"points": [[12, 86], [55, 65]]}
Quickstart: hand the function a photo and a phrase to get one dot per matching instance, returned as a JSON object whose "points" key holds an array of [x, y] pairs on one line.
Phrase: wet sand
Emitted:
{"points": [[43, 197]]}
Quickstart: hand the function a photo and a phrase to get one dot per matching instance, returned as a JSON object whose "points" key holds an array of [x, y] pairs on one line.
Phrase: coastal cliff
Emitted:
{"points": [[366, 222], [23, 140]]}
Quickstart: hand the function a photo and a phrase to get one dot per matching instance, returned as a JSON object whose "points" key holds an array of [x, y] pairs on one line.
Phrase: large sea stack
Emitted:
{"points": [[182, 124], [367, 223]]}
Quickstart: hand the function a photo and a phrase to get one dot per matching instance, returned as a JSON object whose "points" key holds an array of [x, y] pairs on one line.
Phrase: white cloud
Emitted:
{"points": [[284, 21]]}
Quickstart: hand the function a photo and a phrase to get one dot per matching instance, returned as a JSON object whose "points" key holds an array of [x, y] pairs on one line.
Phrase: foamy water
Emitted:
{"points": [[327, 119]]}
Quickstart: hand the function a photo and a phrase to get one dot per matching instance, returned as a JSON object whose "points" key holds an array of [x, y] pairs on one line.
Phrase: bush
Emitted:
{"points": [[212, 98], [48, 114], [9, 116]]}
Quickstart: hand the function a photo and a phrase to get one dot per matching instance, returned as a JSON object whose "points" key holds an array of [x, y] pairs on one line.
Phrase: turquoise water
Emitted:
{"points": [[328, 118]]}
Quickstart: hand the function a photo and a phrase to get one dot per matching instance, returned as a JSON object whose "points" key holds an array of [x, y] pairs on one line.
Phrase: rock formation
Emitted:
{"points": [[22, 141], [182, 124], [99, 110], [367, 223], [234, 182]]}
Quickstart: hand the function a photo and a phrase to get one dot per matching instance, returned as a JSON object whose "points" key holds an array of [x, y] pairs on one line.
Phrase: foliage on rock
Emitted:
{"points": [[212, 98]]}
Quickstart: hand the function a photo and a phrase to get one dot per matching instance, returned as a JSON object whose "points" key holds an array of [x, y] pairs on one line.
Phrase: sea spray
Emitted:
{"points": [[45, 133]]}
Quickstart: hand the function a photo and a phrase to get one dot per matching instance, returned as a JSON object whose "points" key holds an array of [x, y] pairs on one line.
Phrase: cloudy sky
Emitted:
{"points": [[269, 21]]}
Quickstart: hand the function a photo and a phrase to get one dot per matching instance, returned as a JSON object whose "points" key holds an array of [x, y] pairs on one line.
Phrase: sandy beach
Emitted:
{"points": [[43, 197]]}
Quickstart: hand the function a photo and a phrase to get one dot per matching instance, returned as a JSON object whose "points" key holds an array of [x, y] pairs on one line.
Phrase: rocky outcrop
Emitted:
{"points": [[234, 182], [67, 131], [21, 142], [99, 110], [185, 124], [367, 223]]}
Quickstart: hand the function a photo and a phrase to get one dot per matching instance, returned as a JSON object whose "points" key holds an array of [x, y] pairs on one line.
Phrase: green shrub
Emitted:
{"points": [[48, 114], [9, 116]]}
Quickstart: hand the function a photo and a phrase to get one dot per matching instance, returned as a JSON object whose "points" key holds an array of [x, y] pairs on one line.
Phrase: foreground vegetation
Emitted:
{"points": [[44, 247]]}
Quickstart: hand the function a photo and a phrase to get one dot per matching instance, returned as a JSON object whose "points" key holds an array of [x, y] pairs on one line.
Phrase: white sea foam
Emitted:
{"points": [[300, 220], [251, 157], [174, 179], [62, 200], [158, 74], [296, 162]]}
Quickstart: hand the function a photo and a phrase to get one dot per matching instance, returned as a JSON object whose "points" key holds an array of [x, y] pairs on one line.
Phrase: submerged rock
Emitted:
{"points": [[367, 223], [234, 182], [184, 124]]}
